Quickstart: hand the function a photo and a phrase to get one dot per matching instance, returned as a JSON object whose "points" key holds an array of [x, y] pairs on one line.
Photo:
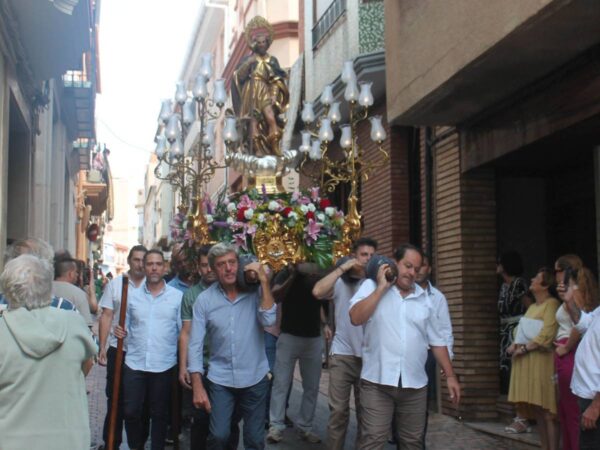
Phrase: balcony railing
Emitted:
{"points": [[327, 20]]}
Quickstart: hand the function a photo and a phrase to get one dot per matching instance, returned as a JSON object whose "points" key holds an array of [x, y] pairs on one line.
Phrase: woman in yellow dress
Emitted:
{"points": [[532, 375]]}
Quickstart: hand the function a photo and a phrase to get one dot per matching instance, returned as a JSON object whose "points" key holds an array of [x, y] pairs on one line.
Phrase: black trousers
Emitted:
{"points": [[111, 355], [588, 439], [155, 388]]}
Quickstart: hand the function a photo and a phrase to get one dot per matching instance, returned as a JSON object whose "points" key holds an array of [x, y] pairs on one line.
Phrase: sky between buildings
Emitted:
{"points": [[142, 46]]}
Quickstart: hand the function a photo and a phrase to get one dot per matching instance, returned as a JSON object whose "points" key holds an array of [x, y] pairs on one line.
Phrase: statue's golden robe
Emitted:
{"points": [[259, 82]]}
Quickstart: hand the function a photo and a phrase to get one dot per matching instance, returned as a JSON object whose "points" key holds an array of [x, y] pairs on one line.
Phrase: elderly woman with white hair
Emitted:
{"points": [[44, 357]]}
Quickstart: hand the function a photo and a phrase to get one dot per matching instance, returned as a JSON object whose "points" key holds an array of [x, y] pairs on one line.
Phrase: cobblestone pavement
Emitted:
{"points": [[444, 432]]}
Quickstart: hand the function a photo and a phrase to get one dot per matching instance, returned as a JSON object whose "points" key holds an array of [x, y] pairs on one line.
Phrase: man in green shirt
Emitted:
{"points": [[199, 429], [207, 277]]}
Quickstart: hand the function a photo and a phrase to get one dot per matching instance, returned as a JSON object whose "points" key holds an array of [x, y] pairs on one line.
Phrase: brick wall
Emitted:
{"points": [[464, 255], [385, 195]]}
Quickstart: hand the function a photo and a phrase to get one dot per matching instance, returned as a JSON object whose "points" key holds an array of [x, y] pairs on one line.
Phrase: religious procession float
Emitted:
{"points": [[252, 132]]}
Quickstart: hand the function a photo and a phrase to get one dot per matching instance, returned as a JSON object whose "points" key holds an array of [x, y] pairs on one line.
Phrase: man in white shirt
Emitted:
{"points": [[111, 306], [399, 324], [585, 382], [345, 362], [440, 305]]}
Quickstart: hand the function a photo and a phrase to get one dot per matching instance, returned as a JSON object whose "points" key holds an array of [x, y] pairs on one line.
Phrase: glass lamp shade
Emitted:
{"points": [[206, 66], [209, 133], [351, 91], [200, 89], [377, 131], [180, 93], [220, 94], [189, 111], [305, 147], [173, 129], [308, 114], [166, 109], [230, 134], [327, 95], [176, 148], [365, 98], [325, 131], [315, 150], [348, 73], [334, 113], [346, 138], [161, 145]]}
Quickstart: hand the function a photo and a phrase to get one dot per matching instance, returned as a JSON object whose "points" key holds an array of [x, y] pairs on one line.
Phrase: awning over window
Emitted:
{"points": [[55, 33]]}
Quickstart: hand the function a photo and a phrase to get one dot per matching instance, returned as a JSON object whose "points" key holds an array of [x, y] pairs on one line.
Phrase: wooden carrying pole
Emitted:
{"points": [[114, 404]]}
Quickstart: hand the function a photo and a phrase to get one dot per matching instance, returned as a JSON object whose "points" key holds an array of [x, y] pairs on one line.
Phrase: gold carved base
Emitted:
{"points": [[273, 184], [276, 245]]}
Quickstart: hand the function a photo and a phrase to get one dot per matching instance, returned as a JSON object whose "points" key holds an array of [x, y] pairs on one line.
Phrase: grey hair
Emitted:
{"points": [[27, 282], [220, 249], [33, 246]]}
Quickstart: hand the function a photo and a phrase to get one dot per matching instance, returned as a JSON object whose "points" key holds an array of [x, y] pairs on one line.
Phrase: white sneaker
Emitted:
{"points": [[309, 437], [274, 435]]}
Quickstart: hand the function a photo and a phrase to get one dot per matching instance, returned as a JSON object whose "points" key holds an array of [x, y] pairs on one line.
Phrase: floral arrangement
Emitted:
{"points": [[312, 219]]}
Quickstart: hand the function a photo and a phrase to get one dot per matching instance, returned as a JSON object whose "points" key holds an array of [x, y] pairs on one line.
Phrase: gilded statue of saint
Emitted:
{"points": [[259, 92]]}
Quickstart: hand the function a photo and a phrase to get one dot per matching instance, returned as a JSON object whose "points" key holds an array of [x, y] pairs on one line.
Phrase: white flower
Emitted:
{"points": [[230, 220], [312, 207], [209, 218], [248, 213], [330, 211], [304, 209], [273, 205], [261, 218], [320, 217], [293, 215], [231, 207]]}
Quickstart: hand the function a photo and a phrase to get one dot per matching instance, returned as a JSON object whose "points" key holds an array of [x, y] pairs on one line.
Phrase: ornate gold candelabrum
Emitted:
{"points": [[352, 166], [191, 115]]}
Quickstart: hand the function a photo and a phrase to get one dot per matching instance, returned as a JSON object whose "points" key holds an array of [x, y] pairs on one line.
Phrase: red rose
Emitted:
{"points": [[286, 211], [325, 203], [240, 214], [310, 215]]}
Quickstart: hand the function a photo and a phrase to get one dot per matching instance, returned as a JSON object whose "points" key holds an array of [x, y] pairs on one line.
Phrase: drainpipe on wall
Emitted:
{"points": [[429, 143]]}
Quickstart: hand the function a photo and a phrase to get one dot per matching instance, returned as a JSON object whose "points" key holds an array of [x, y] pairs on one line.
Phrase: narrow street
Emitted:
{"points": [[444, 432]]}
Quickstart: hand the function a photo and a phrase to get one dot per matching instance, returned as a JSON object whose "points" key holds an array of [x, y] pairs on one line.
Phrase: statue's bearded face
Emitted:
{"points": [[261, 44]]}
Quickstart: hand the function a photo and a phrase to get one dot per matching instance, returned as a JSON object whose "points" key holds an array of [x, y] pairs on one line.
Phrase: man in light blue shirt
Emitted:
{"points": [[233, 320], [152, 329]]}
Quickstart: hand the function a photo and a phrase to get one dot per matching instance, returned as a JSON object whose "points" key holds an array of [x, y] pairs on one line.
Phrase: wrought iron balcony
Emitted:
{"points": [[327, 20], [79, 101]]}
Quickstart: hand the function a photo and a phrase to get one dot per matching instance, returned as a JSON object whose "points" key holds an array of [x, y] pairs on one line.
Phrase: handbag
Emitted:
{"points": [[527, 330]]}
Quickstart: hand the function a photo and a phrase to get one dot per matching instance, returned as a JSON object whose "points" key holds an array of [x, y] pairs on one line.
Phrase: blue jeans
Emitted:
{"points": [[249, 402]]}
